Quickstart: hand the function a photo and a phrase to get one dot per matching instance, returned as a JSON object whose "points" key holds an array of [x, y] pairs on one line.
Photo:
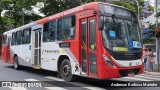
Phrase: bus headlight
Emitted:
{"points": [[108, 62]]}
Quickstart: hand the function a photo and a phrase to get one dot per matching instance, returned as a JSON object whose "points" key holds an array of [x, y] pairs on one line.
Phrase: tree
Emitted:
{"points": [[151, 8], [130, 4], [18, 10], [3, 6], [55, 6]]}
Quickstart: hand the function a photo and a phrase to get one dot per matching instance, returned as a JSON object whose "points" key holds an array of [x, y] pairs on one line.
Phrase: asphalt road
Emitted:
{"points": [[49, 81]]}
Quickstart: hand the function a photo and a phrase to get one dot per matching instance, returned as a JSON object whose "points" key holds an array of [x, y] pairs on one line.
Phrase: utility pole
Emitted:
{"points": [[157, 39]]}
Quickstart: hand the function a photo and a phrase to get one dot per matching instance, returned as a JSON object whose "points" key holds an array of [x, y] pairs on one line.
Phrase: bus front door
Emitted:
{"points": [[36, 44], [88, 46]]}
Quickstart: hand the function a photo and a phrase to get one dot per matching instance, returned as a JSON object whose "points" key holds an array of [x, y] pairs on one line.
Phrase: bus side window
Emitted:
{"points": [[49, 31], [26, 36], [13, 39], [15, 43], [66, 28], [19, 37]]}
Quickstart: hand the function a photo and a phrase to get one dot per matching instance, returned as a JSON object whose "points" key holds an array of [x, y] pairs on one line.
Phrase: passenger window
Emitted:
{"points": [[49, 31], [13, 39], [19, 38], [66, 28], [26, 36]]}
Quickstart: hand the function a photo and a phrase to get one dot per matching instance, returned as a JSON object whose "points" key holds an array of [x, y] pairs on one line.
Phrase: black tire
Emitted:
{"points": [[16, 63], [66, 71]]}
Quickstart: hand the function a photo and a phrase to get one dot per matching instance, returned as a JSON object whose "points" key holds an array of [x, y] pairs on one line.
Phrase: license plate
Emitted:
{"points": [[131, 74]]}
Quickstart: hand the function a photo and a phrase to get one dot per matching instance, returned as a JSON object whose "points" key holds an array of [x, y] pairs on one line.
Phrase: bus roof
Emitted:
{"points": [[90, 6]]}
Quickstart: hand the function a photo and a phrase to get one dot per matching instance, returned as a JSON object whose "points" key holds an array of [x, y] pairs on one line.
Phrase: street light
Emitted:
{"points": [[138, 12]]}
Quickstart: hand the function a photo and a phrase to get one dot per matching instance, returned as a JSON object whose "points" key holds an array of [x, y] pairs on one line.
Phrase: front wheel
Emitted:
{"points": [[66, 70]]}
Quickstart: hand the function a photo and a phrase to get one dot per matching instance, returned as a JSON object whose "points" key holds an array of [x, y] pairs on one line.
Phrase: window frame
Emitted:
{"points": [[13, 42], [48, 27], [91, 41], [24, 35], [74, 32], [19, 37]]}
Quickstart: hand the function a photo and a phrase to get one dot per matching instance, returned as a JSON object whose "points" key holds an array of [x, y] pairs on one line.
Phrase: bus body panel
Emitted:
{"points": [[4, 52], [24, 54], [50, 52]]}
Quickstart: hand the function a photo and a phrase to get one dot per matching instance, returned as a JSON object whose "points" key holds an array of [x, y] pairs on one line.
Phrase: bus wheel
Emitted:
{"points": [[66, 70], [16, 64]]}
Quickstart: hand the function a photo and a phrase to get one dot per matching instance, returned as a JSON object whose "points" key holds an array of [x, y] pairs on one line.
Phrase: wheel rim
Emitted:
{"points": [[66, 70]]}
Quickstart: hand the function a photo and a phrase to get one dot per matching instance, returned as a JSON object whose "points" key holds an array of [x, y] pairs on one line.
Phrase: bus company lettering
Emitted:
{"points": [[50, 51], [86, 13], [66, 12]]}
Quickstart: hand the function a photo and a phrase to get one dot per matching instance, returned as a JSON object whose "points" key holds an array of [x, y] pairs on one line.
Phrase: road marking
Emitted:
{"points": [[31, 79], [54, 88], [54, 78], [49, 88], [149, 77], [134, 78], [77, 84], [153, 73], [18, 88]]}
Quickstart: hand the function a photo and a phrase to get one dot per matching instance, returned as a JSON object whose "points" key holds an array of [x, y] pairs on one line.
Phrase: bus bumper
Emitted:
{"points": [[114, 72]]}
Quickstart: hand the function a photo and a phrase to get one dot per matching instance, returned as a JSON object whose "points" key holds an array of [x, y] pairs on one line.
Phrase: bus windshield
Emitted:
{"points": [[121, 35]]}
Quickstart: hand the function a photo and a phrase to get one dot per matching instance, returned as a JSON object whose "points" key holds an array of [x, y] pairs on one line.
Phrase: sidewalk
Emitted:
{"points": [[153, 73], [155, 68]]}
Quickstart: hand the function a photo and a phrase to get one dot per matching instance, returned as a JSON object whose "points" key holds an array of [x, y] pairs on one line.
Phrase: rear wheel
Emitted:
{"points": [[16, 64], [66, 70]]}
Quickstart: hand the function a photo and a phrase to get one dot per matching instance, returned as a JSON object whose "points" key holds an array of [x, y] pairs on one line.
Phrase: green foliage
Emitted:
{"points": [[149, 39], [151, 8], [158, 14], [17, 10], [152, 27], [130, 5], [3, 6], [55, 6], [8, 22], [125, 4], [152, 38]]}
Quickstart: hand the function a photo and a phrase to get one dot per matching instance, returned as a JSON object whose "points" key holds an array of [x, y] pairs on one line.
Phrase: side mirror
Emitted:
{"points": [[101, 23]]}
